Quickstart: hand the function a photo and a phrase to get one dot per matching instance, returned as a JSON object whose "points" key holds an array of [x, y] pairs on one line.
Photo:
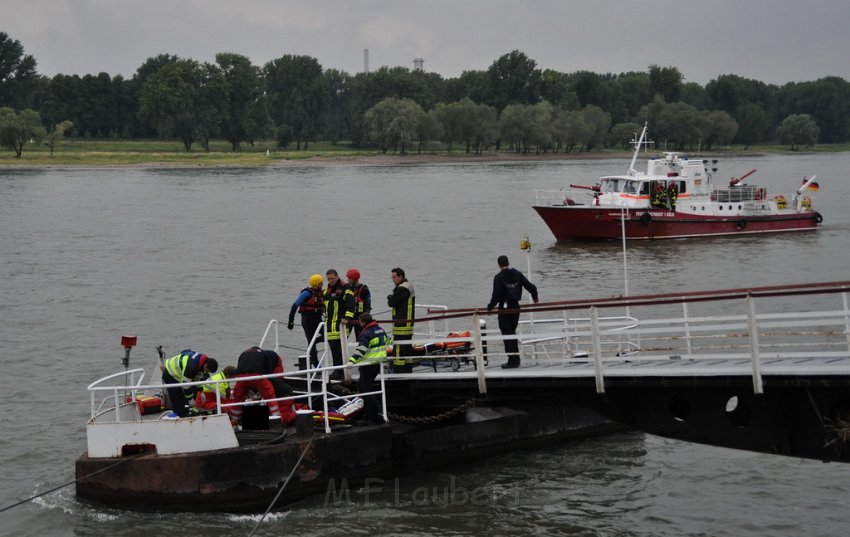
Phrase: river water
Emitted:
{"points": [[204, 258]]}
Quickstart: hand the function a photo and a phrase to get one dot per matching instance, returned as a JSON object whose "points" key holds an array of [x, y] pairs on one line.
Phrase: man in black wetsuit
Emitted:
{"points": [[507, 292]]}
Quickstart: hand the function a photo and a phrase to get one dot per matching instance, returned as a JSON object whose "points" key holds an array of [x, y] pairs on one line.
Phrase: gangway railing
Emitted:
{"points": [[764, 327]]}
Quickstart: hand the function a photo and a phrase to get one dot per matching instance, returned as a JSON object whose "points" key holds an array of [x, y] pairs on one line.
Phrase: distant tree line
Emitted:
{"points": [[512, 105]]}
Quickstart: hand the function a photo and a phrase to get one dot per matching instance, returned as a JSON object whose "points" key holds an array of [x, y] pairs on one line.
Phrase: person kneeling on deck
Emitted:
{"points": [[371, 351], [253, 362], [188, 366], [206, 397], [507, 292]]}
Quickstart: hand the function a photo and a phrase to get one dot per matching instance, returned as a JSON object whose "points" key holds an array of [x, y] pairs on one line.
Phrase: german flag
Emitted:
{"points": [[813, 186]]}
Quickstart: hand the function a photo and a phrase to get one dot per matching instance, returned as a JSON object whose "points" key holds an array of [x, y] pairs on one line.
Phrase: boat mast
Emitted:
{"points": [[637, 144]]}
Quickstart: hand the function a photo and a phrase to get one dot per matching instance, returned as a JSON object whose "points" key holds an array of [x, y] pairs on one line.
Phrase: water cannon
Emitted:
{"points": [[128, 342]]}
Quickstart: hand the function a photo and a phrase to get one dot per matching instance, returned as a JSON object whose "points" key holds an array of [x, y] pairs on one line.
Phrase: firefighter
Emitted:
{"points": [[206, 397], [188, 366], [253, 362], [310, 304], [370, 352], [362, 297], [403, 302], [339, 309], [507, 292]]}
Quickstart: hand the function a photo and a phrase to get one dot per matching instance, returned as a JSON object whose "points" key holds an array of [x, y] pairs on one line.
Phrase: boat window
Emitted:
{"points": [[644, 188], [682, 187], [613, 185], [630, 187]]}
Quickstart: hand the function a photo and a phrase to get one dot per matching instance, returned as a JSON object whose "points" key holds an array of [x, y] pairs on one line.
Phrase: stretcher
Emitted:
{"points": [[449, 350]]}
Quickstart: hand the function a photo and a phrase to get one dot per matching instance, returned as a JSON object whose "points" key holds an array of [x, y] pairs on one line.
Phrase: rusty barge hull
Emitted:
{"points": [[247, 478]]}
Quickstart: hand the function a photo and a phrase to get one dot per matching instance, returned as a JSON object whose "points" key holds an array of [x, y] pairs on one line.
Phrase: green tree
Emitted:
{"points": [[184, 99], [17, 129], [514, 78], [472, 84], [484, 127], [427, 128], [578, 131], [753, 123], [720, 128], [18, 77], [827, 101], [140, 128], [623, 134], [244, 107], [512, 125], [55, 134], [449, 116], [600, 121], [666, 81], [393, 123], [798, 129], [337, 125], [297, 96]]}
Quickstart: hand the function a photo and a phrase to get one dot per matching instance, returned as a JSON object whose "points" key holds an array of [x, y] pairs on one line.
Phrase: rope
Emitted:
{"points": [[69, 483], [282, 487]]}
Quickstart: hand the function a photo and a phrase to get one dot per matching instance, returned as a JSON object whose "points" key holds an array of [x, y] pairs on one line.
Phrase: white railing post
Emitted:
{"points": [[687, 329], [597, 350], [758, 388], [343, 338], [479, 355], [383, 394], [846, 320], [117, 404], [325, 401]]}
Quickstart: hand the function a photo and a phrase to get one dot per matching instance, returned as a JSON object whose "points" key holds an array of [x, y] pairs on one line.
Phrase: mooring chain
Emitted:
{"points": [[425, 420]]}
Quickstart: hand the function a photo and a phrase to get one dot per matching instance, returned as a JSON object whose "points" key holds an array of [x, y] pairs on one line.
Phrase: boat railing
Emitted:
{"points": [[124, 395], [564, 196], [738, 194]]}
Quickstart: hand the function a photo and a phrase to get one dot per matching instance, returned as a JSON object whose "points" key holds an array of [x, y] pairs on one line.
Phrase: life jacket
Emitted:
{"points": [[359, 303], [314, 303]]}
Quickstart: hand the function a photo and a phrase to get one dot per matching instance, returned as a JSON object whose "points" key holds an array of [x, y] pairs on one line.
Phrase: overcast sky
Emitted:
{"points": [[772, 41]]}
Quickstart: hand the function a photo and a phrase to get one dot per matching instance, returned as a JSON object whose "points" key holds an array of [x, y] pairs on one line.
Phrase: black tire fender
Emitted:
{"points": [[818, 217], [646, 219], [742, 224]]}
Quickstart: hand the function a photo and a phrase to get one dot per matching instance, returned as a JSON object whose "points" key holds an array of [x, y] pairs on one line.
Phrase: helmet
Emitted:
{"points": [[315, 280], [352, 274]]}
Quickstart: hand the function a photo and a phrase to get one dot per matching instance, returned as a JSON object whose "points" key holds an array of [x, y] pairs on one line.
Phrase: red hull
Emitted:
{"points": [[597, 223]]}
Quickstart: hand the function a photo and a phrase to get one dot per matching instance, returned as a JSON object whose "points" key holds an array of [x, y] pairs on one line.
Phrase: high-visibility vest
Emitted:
{"points": [[176, 365], [223, 385], [375, 351]]}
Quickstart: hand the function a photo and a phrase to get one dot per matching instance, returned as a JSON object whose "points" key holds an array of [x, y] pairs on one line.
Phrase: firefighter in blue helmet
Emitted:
{"points": [[188, 366], [370, 352]]}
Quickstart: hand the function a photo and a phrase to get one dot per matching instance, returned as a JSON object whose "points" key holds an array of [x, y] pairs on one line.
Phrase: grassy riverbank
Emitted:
{"points": [[84, 153]]}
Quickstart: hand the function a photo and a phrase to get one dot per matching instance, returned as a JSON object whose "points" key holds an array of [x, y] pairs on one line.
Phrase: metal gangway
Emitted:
{"points": [[780, 330]]}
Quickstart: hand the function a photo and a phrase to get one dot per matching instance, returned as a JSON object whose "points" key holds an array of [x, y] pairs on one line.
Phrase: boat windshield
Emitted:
{"points": [[611, 185]]}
